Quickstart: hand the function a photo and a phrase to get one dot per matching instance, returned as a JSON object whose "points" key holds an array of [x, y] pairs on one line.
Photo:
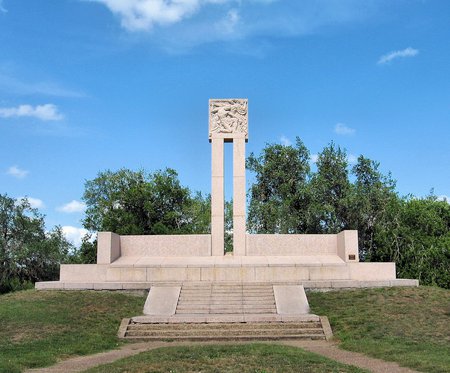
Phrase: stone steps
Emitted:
{"points": [[225, 331], [230, 326], [226, 299], [215, 312]]}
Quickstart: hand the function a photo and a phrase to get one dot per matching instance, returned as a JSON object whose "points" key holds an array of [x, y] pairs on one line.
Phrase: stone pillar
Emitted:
{"points": [[228, 122], [239, 192], [217, 198]]}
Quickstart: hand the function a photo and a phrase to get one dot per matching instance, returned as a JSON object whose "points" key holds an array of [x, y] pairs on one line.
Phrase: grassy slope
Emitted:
{"points": [[38, 328], [255, 358], [408, 325]]}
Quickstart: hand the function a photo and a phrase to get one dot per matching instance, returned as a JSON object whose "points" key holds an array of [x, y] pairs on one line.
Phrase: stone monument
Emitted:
{"points": [[318, 261], [228, 122]]}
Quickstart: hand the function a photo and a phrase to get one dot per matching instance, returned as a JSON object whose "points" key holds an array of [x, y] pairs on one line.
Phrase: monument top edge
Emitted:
{"points": [[228, 99]]}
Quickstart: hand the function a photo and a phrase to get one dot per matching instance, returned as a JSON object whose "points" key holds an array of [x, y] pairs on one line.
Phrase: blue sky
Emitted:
{"points": [[87, 86]]}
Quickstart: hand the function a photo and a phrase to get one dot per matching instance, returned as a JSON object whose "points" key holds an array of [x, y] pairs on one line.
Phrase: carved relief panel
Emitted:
{"points": [[228, 118]]}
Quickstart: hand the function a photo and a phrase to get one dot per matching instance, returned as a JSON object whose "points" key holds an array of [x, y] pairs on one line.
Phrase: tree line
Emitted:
{"points": [[287, 195]]}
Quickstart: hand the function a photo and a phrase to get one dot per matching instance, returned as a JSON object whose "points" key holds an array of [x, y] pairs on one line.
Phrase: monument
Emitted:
{"points": [[228, 122], [318, 261]]}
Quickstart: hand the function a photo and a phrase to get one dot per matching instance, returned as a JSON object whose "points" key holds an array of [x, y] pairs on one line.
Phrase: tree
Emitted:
{"points": [[331, 190], [137, 202], [372, 203], [280, 196], [418, 240], [287, 197], [27, 252]]}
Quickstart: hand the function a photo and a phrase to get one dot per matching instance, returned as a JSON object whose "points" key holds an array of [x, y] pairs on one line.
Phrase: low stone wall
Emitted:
{"points": [[291, 244], [344, 244], [166, 245], [111, 246]]}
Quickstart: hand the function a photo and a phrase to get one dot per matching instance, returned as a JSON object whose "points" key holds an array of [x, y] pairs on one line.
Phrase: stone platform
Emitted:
{"points": [[314, 261]]}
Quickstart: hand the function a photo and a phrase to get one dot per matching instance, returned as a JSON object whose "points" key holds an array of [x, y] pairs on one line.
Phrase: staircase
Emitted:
{"points": [[214, 311], [226, 299], [226, 331]]}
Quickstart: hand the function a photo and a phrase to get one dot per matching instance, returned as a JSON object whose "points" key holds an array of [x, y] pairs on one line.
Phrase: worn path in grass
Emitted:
{"points": [[327, 349]]}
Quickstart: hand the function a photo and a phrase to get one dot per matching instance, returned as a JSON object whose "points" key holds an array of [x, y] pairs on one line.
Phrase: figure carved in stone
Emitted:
{"points": [[228, 116]]}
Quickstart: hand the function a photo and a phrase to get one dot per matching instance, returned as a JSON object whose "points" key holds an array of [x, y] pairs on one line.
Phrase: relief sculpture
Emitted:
{"points": [[228, 116]]}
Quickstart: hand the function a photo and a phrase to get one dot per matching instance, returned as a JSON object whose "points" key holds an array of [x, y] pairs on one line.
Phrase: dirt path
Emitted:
{"points": [[327, 349], [333, 352]]}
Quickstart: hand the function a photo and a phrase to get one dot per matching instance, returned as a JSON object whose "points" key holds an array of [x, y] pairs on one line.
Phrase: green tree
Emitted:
{"points": [[138, 202], [331, 191], [372, 204], [280, 196], [27, 252], [418, 240]]}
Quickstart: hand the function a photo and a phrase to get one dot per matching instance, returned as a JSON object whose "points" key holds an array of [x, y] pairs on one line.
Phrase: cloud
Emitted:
{"points": [[142, 15], [285, 141], [43, 112], [17, 172], [352, 159], [11, 84], [2, 9], [72, 206], [342, 129], [74, 234], [408, 52], [314, 158], [179, 24], [443, 198], [35, 203]]}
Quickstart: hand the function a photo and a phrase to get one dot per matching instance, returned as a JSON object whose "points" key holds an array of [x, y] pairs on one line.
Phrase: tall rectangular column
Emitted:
{"points": [[217, 198], [239, 196]]}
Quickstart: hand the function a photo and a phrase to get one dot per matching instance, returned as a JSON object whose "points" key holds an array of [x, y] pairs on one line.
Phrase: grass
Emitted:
{"points": [[408, 325], [255, 358], [39, 328]]}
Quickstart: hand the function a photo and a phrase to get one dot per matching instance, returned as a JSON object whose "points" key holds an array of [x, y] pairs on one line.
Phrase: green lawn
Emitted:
{"points": [[38, 328], [408, 325], [254, 358]]}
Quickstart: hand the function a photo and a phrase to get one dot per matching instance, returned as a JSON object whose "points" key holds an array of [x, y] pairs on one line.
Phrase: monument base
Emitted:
{"points": [[314, 261]]}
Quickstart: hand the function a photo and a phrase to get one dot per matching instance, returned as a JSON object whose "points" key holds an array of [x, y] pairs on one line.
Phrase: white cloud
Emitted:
{"points": [[72, 206], [314, 158], [17, 172], [42, 112], [408, 52], [443, 198], [35, 203], [181, 24], [342, 129], [142, 15], [285, 140], [352, 159], [74, 234]]}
